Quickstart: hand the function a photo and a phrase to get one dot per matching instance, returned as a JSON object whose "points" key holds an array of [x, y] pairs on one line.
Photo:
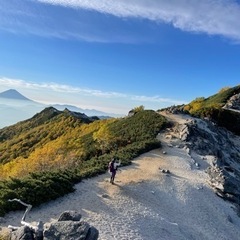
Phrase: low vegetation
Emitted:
{"points": [[44, 157], [211, 108]]}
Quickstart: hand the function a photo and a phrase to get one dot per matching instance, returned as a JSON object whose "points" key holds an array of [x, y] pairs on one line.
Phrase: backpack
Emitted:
{"points": [[111, 166]]}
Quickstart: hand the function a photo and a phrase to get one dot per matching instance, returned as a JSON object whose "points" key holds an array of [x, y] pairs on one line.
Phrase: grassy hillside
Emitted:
{"points": [[211, 108], [23, 138], [55, 149], [217, 101]]}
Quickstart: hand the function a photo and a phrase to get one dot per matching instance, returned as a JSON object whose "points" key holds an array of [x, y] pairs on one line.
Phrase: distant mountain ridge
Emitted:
{"points": [[15, 107], [13, 94], [88, 112]]}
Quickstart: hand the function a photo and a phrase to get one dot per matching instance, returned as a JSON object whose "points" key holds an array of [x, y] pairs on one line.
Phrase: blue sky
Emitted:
{"points": [[115, 55]]}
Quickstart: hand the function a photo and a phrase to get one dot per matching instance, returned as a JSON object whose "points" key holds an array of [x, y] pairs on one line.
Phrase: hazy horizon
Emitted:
{"points": [[14, 111]]}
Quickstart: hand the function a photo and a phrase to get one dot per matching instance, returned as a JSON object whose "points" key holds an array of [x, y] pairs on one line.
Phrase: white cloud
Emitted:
{"points": [[214, 17], [57, 93], [157, 99], [61, 88]]}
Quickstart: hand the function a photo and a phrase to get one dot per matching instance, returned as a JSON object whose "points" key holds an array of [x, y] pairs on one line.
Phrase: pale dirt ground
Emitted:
{"points": [[146, 204]]}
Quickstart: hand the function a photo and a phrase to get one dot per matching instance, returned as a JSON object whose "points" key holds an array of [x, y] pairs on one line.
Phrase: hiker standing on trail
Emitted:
{"points": [[113, 165]]}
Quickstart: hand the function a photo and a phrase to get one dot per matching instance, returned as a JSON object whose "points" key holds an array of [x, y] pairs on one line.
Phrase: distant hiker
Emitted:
{"points": [[112, 166]]}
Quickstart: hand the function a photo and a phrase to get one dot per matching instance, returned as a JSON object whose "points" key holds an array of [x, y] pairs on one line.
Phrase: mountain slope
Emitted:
{"points": [[221, 108], [13, 94], [88, 112], [14, 107], [216, 101], [25, 137]]}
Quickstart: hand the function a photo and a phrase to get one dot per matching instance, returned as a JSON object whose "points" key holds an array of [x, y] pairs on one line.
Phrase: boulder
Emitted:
{"points": [[23, 233], [68, 227], [67, 230]]}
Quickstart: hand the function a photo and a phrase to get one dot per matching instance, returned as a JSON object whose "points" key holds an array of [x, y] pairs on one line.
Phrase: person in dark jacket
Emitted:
{"points": [[113, 165]]}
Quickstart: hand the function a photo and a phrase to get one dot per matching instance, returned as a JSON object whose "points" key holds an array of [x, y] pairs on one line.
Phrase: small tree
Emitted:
{"points": [[137, 109]]}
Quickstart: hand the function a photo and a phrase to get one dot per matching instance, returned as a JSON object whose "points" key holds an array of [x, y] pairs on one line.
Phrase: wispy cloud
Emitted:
{"points": [[45, 17], [40, 92], [54, 21], [60, 88], [158, 99], [213, 17]]}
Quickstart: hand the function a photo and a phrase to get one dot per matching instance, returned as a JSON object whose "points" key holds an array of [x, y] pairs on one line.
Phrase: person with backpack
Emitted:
{"points": [[112, 166]]}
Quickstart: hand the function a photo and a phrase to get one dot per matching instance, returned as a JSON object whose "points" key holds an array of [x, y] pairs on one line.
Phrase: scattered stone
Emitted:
{"points": [[188, 150], [168, 136], [69, 216], [164, 170], [229, 219], [105, 196], [23, 233]]}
